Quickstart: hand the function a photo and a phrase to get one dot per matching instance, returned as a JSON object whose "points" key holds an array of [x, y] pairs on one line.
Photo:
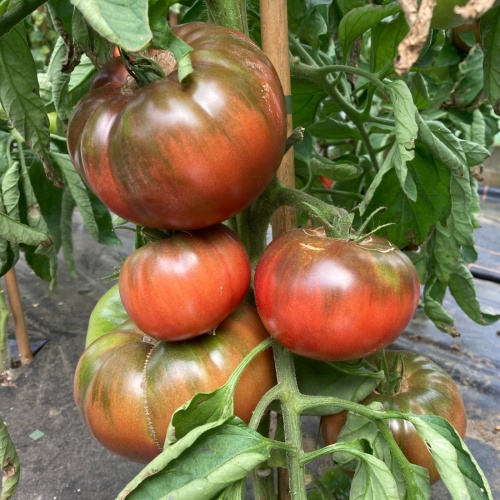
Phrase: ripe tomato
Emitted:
{"points": [[183, 155], [127, 386], [183, 286], [107, 314], [426, 389], [333, 299]]}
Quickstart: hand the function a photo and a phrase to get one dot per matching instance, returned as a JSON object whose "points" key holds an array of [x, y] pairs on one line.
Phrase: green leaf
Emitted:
{"points": [[475, 154], [343, 168], [309, 20], [79, 192], [490, 36], [122, 23], [306, 98], [415, 219], [332, 129], [349, 381], [462, 288], [373, 480], [385, 39], [203, 463], [434, 292], [358, 21], [163, 38], [456, 465], [66, 230], [443, 144], [20, 93], [405, 113], [9, 464], [16, 232], [471, 79], [103, 219]]}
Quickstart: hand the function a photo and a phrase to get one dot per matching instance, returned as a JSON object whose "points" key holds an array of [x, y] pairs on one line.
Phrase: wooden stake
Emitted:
{"points": [[274, 30], [16, 308]]}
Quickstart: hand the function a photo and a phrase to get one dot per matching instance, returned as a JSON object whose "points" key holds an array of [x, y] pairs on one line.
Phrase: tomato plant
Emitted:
{"points": [[179, 156], [127, 386], [333, 299], [184, 285], [424, 388]]}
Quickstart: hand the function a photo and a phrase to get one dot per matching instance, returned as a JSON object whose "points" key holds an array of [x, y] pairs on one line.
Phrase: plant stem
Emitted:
{"points": [[4, 347], [347, 194], [231, 13], [17, 14], [285, 371]]}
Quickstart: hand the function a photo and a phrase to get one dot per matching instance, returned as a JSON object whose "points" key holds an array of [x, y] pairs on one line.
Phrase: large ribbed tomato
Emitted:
{"points": [[180, 287], [127, 385], [183, 155], [426, 389], [334, 299]]}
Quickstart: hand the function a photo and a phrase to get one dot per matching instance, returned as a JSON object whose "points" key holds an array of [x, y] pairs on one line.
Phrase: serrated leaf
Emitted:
{"points": [[475, 154], [20, 94], [122, 23], [456, 465], [406, 129], [205, 461], [309, 20], [306, 98], [490, 36], [318, 378], [462, 287], [385, 39], [79, 192], [66, 229], [16, 232], [59, 81], [332, 129], [372, 480], [443, 144], [470, 83], [9, 463], [415, 219], [434, 292], [358, 21], [341, 169]]}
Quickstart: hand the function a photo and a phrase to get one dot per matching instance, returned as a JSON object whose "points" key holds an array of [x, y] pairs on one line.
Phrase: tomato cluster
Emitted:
{"points": [[183, 158]]}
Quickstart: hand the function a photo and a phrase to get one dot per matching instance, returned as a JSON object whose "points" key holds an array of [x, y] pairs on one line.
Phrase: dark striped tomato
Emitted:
{"points": [[333, 299], [127, 385], [183, 155], [426, 389], [180, 287]]}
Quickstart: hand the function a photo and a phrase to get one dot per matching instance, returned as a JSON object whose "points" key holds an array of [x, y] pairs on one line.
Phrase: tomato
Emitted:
{"points": [[107, 314], [127, 385], [475, 34], [183, 286], [426, 389], [183, 156], [333, 299]]}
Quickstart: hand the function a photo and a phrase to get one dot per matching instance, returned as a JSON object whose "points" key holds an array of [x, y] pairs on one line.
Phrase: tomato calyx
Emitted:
{"points": [[393, 381], [142, 69]]}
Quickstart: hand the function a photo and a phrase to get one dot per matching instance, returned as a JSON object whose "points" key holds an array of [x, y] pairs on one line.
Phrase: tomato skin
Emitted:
{"points": [[427, 389], [180, 287], [127, 388], [332, 299], [183, 156], [107, 314]]}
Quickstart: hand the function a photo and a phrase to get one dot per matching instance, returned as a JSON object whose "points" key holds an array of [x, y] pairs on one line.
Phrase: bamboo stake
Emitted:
{"points": [[16, 308], [274, 30]]}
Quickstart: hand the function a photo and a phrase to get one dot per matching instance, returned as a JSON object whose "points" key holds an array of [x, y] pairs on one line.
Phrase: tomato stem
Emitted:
{"points": [[231, 13]]}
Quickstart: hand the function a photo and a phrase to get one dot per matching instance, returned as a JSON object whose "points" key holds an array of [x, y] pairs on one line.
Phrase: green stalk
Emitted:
{"points": [[291, 413], [17, 14], [231, 13], [4, 347]]}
